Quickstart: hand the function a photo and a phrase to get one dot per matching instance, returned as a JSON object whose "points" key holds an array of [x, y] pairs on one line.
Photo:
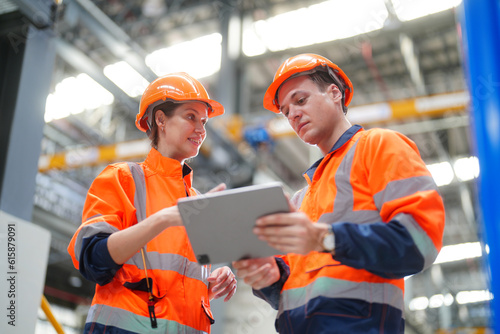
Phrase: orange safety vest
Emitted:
{"points": [[375, 176], [179, 284]]}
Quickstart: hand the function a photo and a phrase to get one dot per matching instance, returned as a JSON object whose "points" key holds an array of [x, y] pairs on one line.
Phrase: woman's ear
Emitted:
{"points": [[160, 119]]}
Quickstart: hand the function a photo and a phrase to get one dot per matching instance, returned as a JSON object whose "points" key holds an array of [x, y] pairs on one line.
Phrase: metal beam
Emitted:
{"points": [[114, 38], [410, 56], [77, 158], [424, 106], [39, 13]]}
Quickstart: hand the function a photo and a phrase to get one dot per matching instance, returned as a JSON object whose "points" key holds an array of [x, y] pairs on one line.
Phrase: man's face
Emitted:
{"points": [[311, 112]]}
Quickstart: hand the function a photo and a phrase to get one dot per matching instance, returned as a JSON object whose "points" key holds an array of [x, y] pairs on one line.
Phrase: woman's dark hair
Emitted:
{"points": [[323, 80], [168, 109]]}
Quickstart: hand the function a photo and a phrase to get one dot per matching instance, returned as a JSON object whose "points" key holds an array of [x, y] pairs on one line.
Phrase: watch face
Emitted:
{"points": [[328, 242]]}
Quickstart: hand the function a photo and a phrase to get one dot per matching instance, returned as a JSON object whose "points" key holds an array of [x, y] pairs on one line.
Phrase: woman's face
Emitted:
{"points": [[184, 131]]}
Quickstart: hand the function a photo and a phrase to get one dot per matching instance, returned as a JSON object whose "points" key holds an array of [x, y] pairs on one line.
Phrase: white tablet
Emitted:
{"points": [[219, 225]]}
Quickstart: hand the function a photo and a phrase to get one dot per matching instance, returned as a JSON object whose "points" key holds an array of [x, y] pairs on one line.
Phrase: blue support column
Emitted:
{"points": [[27, 57], [480, 22]]}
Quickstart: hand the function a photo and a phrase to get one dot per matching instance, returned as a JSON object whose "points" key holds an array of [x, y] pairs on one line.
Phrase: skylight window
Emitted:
{"points": [[407, 10], [326, 21], [73, 95], [200, 57]]}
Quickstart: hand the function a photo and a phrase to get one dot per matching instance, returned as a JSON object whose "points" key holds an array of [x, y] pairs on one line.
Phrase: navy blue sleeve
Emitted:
{"points": [[96, 263], [387, 250], [271, 294]]}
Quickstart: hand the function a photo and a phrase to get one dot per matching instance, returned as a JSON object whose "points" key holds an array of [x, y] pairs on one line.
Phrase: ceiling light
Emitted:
{"points": [[436, 301], [418, 304], [462, 297], [442, 173], [466, 297], [459, 252], [448, 299], [466, 168], [125, 77]]}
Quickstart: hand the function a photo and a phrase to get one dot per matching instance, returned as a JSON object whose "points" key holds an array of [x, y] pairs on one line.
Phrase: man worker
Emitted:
{"points": [[370, 214]]}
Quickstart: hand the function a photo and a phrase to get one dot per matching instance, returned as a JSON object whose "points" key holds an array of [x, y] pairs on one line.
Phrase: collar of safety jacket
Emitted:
{"points": [[166, 166], [346, 136]]}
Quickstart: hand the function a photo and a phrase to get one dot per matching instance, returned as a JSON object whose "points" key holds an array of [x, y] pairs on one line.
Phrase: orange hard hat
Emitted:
{"points": [[176, 87], [309, 63]]}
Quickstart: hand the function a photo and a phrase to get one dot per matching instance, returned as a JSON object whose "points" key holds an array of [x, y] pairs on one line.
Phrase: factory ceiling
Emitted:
{"points": [[407, 75]]}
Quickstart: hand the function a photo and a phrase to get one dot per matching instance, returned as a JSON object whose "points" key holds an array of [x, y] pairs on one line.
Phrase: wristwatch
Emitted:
{"points": [[328, 241]]}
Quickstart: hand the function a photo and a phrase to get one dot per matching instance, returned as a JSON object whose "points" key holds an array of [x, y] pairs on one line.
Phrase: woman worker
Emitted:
{"points": [[132, 242]]}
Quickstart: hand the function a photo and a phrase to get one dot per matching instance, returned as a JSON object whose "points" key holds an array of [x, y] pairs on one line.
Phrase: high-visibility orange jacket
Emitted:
{"points": [[388, 219], [179, 283]]}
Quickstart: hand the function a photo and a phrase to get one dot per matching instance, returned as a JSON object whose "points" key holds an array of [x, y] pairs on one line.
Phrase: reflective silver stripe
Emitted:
{"points": [[173, 262], [126, 320], [402, 188], [94, 216], [91, 230], [298, 197], [344, 200], [420, 237], [140, 209], [357, 217], [140, 190], [383, 293]]}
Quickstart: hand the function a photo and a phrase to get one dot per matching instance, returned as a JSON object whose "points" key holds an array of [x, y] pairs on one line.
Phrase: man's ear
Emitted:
{"points": [[335, 92]]}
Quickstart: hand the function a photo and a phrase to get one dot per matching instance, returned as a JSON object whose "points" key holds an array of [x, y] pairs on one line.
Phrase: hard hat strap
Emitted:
{"points": [[338, 82], [148, 115]]}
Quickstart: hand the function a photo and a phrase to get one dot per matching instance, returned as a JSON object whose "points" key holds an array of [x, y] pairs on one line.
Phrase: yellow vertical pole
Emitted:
{"points": [[50, 316]]}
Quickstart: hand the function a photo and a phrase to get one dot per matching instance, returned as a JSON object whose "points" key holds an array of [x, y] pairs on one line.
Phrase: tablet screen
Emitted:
{"points": [[219, 225]]}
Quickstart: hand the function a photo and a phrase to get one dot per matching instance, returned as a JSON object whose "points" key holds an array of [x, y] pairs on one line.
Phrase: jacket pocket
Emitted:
{"points": [[206, 307]]}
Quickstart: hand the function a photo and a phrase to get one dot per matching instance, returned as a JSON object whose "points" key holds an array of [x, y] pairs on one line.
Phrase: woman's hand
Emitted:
{"points": [[222, 282], [258, 273], [219, 187], [122, 245]]}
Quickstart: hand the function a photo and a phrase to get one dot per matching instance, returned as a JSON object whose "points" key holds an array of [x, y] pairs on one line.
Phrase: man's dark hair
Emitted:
{"points": [[323, 79]]}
